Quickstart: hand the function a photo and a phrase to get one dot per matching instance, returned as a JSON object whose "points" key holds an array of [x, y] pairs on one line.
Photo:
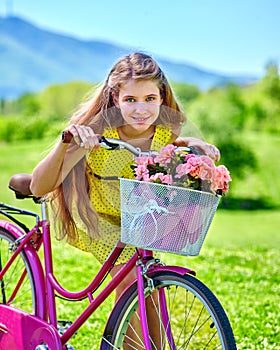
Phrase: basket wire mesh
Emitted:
{"points": [[165, 218]]}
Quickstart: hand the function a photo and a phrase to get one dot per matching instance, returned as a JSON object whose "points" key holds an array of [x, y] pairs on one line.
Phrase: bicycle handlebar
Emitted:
{"points": [[20, 183], [116, 144]]}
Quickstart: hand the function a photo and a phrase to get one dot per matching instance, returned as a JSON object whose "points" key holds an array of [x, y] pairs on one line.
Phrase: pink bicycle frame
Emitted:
{"points": [[44, 324]]}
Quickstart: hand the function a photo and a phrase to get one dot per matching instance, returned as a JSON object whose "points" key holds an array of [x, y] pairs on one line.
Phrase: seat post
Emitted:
{"points": [[44, 209]]}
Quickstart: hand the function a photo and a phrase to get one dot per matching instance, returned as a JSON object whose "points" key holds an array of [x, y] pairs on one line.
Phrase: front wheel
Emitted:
{"points": [[182, 314]]}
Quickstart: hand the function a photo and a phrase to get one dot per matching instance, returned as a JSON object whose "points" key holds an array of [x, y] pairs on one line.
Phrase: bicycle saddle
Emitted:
{"points": [[20, 184]]}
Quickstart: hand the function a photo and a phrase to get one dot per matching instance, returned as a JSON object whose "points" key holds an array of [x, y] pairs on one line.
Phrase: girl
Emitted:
{"points": [[135, 104]]}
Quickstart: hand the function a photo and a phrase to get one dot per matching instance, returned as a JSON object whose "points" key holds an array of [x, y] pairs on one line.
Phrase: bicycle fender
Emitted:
{"points": [[178, 269], [35, 264], [22, 331], [170, 268], [9, 226]]}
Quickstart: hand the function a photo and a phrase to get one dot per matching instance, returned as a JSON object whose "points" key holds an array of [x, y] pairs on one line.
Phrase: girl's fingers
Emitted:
{"points": [[84, 136], [213, 152]]}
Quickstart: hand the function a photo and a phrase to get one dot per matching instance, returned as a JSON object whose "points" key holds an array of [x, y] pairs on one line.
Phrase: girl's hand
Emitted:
{"points": [[202, 146], [84, 136]]}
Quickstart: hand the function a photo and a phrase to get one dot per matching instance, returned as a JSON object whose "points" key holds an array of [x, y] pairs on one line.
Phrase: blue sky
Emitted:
{"points": [[227, 36]]}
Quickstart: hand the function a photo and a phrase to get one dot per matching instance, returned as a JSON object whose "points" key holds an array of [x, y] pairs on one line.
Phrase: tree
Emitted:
{"points": [[236, 105], [185, 93], [271, 81], [220, 115], [271, 103]]}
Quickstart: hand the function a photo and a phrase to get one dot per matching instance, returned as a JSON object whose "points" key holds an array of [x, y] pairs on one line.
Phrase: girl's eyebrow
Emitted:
{"points": [[148, 95], [125, 96]]}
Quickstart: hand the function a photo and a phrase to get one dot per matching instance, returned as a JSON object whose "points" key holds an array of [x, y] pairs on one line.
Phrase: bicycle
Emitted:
{"points": [[189, 316]]}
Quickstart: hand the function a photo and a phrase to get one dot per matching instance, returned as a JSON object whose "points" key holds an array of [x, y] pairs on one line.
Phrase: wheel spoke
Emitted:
{"points": [[191, 317]]}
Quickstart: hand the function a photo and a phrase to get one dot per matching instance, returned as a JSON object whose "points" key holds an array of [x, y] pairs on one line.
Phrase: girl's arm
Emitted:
{"points": [[55, 167], [204, 147]]}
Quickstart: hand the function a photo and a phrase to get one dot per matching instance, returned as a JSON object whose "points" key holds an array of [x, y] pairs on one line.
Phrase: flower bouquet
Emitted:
{"points": [[172, 201], [175, 166]]}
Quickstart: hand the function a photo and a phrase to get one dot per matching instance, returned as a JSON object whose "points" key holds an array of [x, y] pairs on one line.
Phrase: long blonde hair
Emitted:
{"points": [[98, 112]]}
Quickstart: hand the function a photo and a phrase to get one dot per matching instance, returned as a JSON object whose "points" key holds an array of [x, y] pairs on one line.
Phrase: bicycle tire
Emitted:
{"points": [[25, 298], [197, 319]]}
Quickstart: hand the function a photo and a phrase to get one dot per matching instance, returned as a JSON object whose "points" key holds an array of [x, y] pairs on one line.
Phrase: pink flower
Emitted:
{"points": [[141, 172], [165, 155], [164, 179], [221, 179], [181, 170], [144, 160], [189, 155], [192, 166], [206, 168]]}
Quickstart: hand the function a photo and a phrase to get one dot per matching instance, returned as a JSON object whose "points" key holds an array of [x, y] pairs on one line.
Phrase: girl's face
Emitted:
{"points": [[139, 102]]}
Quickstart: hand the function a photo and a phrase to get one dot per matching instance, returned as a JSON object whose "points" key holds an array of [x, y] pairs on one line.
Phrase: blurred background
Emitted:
{"points": [[222, 61]]}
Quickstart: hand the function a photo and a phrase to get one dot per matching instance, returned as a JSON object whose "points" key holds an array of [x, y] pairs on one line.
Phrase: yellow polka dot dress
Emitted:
{"points": [[104, 169]]}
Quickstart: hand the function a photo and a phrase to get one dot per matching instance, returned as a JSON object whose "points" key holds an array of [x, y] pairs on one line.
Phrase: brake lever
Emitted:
{"points": [[107, 144]]}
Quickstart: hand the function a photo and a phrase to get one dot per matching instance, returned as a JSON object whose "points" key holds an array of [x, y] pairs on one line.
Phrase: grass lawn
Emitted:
{"points": [[239, 262]]}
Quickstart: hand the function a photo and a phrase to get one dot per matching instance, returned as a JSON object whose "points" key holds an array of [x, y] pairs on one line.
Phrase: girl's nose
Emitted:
{"points": [[140, 107]]}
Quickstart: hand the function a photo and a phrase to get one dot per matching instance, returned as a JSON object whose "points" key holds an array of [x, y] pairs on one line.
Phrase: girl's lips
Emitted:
{"points": [[140, 120]]}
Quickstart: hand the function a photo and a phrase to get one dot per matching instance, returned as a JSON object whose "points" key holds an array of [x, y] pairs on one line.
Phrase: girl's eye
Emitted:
{"points": [[130, 99], [151, 98]]}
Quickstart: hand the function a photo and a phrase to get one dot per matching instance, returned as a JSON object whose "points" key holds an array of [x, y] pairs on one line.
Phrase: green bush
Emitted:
{"points": [[9, 128], [18, 128]]}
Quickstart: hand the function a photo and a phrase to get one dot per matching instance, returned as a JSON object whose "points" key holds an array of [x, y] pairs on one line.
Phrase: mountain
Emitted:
{"points": [[32, 58]]}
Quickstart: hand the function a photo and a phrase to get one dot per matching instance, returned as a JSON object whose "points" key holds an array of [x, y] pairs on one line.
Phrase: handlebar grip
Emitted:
{"points": [[66, 136]]}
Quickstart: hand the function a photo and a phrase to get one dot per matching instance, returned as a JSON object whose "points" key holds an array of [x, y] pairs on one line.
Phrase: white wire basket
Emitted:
{"points": [[165, 218]]}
